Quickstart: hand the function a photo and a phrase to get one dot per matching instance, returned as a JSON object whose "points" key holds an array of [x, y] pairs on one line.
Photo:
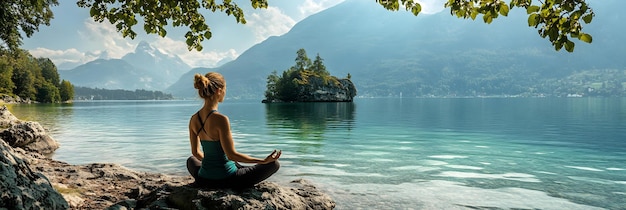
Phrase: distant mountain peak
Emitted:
{"points": [[145, 47]]}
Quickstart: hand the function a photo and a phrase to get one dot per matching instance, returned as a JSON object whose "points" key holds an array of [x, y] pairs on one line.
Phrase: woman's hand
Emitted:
{"points": [[272, 157]]}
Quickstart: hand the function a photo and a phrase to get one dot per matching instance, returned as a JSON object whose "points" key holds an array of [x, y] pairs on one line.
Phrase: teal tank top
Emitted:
{"points": [[215, 164]]}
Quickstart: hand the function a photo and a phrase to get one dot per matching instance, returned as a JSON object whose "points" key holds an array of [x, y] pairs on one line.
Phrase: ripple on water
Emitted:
{"points": [[415, 168], [325, 171], [434, 162], [447, 156], [584, 168], [439, 194], [615, 169], [507, 176], [592, 180], [464, 167], [372, 153]]}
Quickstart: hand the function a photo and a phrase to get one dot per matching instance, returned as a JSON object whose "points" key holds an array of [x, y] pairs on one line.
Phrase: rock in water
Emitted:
{"points": [[21, 188], [30, 136], [6, 118]]}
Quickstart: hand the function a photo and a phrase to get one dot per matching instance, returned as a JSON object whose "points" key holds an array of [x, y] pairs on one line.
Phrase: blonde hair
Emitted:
{"points": [[208, 84]]}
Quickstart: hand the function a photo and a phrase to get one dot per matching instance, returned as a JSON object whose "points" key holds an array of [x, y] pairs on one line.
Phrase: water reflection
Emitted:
{"points": [[50, 116], [305, 129], [309, 120]]}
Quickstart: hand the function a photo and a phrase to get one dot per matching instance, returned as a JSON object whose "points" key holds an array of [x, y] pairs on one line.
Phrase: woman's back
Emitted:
{"points": [[215, 164]]}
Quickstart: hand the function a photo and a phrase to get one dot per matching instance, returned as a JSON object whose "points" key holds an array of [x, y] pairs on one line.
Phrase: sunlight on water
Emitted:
{"points": [[382, 153]]}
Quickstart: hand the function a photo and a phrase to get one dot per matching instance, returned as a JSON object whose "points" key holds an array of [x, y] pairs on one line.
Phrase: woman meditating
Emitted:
{"points": [[215, 161]]}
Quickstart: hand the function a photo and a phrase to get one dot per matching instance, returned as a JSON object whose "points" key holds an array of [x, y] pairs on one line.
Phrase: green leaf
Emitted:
{"points": [[416, 9], [587, 18], [93, 11], [473, 14], [558, 45], [585, 38], [504, 9], [162, 32], [487, 18], [569, 46], [532, 9], [532, 20], [207, 35]]}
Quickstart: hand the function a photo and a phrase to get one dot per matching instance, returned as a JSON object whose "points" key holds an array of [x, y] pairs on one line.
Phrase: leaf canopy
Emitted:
{"points": [[555, 19]]}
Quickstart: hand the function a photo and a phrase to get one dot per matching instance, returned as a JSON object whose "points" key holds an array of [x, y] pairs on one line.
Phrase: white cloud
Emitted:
{"points": [[269, 22], [310, 7], [431, 6], [192, 58], [102, 37], [71, 55], [107, 38]]}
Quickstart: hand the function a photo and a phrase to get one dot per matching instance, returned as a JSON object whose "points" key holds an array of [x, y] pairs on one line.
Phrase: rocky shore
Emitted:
{"points": [[31, 180], [13, 100]]}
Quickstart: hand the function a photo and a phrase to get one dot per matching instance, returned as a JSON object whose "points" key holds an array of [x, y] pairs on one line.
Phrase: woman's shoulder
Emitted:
{"points": [[195, 115], [220, 116]]}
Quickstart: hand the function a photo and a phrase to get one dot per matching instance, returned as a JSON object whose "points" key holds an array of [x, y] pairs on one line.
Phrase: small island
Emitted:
{"points": [[308, 81]]}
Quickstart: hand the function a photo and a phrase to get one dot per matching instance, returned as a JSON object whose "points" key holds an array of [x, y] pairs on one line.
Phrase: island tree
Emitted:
{"points": [[302, 81]]}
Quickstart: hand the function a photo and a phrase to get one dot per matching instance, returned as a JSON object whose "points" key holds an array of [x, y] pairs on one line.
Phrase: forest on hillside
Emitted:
{"points": [[32, 79], [86, 93], [586, 83]]}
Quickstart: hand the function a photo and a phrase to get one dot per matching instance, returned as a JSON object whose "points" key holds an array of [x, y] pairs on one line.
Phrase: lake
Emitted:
{"points": [[381, 153]]}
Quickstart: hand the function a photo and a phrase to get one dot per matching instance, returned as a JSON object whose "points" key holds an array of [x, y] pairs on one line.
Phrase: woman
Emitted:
{"points": [[214, 163]]}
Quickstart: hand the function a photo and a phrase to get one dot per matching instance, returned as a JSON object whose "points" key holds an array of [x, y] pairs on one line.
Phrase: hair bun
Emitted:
{"points": [[200, 82]]}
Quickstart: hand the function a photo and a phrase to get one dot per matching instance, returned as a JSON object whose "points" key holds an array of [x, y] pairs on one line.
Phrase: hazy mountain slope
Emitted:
{"points": [[169, 67], [108, 74], [391, 52], [145, 68]]}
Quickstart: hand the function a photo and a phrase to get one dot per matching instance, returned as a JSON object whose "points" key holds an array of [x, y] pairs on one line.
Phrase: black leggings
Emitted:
{"points": [[246, 176]]}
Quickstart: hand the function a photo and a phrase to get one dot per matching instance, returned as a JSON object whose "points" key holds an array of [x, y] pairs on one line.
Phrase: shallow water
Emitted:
{"points": [[527, 153]]}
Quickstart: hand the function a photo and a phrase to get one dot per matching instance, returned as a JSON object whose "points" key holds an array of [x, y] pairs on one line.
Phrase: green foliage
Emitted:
{"points": [[272, 82], [318, 66], [558, 20], [31, 78], [85, 93], [605, 83], [298, 79], [302, 60], [157, 14], [23, 75], [6, 72], [66, 90], [49, 71], [394, 5], [48, 93], [18, 16]]}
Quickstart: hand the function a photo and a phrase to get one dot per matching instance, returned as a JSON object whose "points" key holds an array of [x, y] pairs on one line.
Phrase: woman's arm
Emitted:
{"points": [[194, 141], [226, 140]]}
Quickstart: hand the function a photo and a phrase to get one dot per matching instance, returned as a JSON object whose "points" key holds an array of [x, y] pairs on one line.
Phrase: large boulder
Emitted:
{"points": [[301, 194], [28, 135], [103, 185], [21, 188], [6, 118]]}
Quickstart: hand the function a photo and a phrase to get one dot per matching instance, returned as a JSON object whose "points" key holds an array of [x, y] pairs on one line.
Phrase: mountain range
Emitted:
{"points": [[389, 53], [395, 53], [146, 68]]}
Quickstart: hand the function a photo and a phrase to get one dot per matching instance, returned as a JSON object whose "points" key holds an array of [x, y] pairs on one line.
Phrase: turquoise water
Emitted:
{"points": [[481, 153]]}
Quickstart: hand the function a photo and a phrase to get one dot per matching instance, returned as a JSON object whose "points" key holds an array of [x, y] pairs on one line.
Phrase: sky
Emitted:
{"points": [[73, 38]]}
